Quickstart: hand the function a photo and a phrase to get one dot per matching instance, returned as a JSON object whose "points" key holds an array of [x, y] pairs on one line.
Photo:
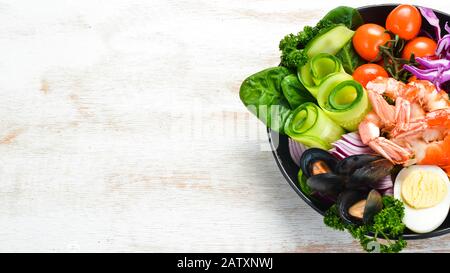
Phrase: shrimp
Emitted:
{"points": [[369, 130], [433, 125], [427, 95], [417, 127], [421, 92]]}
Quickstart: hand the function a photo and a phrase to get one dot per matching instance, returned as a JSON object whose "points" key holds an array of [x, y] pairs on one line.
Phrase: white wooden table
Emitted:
{"points": [[122, 130]]}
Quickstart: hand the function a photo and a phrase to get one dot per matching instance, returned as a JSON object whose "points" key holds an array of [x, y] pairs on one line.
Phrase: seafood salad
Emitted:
{"points": [[367, 113]]}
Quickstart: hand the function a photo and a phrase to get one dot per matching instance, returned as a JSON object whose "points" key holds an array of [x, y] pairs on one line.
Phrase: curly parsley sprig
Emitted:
{"points": [[387, 224], [292, 45]]}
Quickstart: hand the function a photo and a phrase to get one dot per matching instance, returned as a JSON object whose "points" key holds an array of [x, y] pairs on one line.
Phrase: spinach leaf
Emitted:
{"points": [[348, 16], [303, 185], [349, 58], [261, 93], [294, 91]]}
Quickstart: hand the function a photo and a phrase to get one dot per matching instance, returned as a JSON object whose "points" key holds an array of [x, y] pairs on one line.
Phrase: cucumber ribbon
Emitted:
{"points": [[344, 100], [317, 69], [309, 125]]}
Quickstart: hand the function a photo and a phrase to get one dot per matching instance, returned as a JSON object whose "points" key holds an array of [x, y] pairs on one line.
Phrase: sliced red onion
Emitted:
{"points": [[296, 150], [354, 141], [352, 135], [351, 149], [384, 183], [348, 149], [337, 154], [389, 191], [349, 144]]}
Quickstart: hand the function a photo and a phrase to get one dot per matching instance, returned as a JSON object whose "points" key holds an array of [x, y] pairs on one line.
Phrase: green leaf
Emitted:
{"points": [[302, 183], [261, 93], [349, 58], [348, 16], [294, 91]]}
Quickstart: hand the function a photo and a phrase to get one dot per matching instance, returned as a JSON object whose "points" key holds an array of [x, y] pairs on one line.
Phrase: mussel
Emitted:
{"points": [[368, 175], [319, 167], [328, 175], [352, 181], [356, 207], [329, 184], [316, 161], [352, 163]]}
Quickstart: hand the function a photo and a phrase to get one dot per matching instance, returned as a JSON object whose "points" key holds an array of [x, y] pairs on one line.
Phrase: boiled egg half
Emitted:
{"points": [[425, 192]]}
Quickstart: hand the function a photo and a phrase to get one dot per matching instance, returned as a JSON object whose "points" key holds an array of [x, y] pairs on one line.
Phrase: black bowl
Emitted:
{"points": [[280, 147]]}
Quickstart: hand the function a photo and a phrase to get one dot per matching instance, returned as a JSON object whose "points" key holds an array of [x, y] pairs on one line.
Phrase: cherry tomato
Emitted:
{"points": [[367, 72], [367, 40], [420, 46], [405, 21]]}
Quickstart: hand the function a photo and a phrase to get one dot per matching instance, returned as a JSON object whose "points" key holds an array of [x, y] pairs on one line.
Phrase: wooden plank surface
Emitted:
{"points": [[122, 130]]}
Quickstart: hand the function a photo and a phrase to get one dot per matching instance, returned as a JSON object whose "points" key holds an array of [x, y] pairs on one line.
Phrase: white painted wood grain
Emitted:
{"points": [[121, 129]]}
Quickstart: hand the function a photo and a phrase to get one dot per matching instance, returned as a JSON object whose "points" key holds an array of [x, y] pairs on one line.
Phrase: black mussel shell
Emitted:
{"points": [[345, 201], [374, 204], [368, 175], [314, 155], [349, 164], [326, 183]]}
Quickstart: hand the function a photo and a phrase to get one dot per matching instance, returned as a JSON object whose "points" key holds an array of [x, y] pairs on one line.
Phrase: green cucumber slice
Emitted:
{"points": [[309, 125], [330, 41], [317, 69], [343, 100]]}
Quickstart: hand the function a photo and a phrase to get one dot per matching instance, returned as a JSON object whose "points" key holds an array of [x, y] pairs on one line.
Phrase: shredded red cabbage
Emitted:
{"points": [[443, 46], [432, 19], [433, 63], [435, 71]]}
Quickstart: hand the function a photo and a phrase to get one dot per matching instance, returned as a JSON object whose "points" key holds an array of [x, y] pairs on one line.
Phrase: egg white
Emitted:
{"points": [[423, 220]]}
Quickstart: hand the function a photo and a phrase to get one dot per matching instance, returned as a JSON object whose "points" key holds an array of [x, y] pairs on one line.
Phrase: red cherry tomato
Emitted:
{"points": [[420, 47], [367, 40], [367, 72], [405, 21]]}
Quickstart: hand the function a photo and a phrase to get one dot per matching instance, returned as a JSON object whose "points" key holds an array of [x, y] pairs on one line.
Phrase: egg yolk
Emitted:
{"points": [[422, 189]]}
